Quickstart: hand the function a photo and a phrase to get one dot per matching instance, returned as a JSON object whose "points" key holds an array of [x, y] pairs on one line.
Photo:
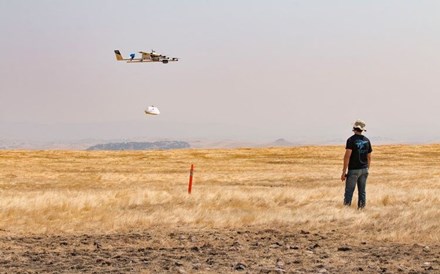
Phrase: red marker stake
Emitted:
{"points": [[190, 178]]}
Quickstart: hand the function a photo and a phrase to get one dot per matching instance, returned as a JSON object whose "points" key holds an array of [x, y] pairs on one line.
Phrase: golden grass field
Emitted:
{"points": [[74, 192]]}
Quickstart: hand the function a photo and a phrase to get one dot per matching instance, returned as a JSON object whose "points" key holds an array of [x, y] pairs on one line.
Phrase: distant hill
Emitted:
{"points": [[280, 143], [141, 145]]}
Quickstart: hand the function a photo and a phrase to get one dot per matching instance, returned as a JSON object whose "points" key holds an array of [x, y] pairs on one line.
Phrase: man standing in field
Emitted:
{"points": [[357, 160]]}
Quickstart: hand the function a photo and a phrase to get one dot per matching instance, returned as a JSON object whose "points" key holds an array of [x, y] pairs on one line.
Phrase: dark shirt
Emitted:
{"points": [[360, 147]]}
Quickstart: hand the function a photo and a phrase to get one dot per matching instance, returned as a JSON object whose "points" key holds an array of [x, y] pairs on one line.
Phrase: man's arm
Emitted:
{"points": [[369, 159], [346, 161]]}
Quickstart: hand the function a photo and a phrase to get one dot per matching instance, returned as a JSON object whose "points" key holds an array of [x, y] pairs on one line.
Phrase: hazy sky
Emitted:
{"points": [[247, 69]]}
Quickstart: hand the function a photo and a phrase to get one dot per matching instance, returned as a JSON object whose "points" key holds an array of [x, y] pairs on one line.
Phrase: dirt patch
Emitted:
{"points": [[249, 250]]}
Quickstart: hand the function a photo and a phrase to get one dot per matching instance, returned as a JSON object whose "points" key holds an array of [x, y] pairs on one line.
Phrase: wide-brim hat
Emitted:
{"points": [[359, 124]]}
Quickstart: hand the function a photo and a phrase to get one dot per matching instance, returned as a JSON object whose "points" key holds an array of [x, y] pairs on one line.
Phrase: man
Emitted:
{"points": [[357, 160]]}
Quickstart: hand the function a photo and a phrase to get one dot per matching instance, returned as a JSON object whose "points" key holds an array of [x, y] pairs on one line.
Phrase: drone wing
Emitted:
{"points": [[146, 56]]}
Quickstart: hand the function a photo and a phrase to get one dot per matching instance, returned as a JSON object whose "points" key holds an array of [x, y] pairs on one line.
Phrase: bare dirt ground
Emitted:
{"points": [[247, 250]]}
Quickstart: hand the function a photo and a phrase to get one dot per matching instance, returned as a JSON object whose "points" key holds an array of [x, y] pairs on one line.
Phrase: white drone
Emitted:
{"points": [[146, 57]]}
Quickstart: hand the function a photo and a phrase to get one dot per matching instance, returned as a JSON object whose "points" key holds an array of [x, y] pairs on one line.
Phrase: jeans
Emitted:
{"points": [[359, 177]]}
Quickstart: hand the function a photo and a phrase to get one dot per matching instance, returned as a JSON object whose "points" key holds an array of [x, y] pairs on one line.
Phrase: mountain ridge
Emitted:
{"points": [[159, 145]]}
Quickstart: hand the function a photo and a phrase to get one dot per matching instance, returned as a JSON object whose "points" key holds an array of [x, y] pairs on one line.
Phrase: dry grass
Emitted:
{"points": [[102, 192]]}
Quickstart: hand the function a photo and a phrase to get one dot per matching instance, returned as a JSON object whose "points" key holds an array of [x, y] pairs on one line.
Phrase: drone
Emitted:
{"points": [[145, 57]]}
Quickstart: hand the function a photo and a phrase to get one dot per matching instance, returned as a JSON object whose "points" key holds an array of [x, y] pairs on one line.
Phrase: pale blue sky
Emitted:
{"points": [[248, 69]]}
